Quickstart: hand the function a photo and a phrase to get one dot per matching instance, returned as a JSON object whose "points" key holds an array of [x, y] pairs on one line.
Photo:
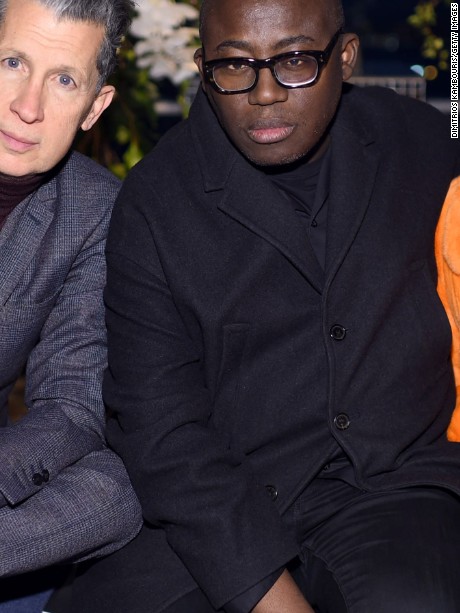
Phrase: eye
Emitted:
{"points": [[12, 62], [299, 65], [236, 66], [66, 81], [295, 62]]}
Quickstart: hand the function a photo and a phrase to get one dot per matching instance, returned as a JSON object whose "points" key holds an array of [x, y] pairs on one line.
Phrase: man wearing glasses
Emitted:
{"points": [[279, 372]]}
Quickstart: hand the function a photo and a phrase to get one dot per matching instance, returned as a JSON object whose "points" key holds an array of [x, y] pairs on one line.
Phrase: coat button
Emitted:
{"points": [[342, 421], [46, 475], [37, 479], [272, 492], [338, 332]]}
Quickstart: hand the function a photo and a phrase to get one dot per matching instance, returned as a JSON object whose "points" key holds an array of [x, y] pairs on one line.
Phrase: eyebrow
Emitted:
{"points": [[14, 53], [29, 58], [243, 45]]}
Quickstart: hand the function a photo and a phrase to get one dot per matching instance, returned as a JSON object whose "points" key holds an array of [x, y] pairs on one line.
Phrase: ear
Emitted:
{"points": [[198, 57], [350, 47], [102, 101]]}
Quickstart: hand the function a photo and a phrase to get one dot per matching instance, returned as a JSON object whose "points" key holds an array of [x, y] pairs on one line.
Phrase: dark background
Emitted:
{"points": [[390, 45]]}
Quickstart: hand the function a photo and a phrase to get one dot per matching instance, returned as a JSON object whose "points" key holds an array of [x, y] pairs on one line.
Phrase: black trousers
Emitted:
{"points": [[389, 552]]}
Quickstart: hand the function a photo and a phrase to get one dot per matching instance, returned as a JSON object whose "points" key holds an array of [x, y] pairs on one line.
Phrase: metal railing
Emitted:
{"points": [[415, 87]]}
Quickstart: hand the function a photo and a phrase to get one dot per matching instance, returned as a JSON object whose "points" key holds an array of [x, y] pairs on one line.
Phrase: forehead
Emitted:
{"points": [[33, 29], [267, 23]]}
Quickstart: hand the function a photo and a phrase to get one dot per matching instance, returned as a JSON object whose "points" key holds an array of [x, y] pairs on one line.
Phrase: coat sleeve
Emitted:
{"points": [[55, 456], [447, 249], [218, 519]]}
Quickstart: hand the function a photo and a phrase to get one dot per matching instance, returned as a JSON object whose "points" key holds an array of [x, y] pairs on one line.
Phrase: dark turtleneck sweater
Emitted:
{"points": [[14, 190]]}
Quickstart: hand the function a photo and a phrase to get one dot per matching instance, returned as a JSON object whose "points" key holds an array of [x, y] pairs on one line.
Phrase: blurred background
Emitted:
{"points": [[404, 45]]}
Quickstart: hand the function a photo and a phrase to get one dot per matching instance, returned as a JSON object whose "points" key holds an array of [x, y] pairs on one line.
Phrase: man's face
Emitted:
{"points": [[48, 80], [273, 125]]}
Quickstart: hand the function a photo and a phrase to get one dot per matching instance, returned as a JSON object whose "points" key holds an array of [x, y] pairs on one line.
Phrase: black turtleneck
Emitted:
{"points": [[14, 190], [305, 185]]}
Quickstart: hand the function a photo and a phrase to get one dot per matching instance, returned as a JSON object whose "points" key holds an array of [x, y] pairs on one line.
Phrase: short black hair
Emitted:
{"points": [[336, 8]]}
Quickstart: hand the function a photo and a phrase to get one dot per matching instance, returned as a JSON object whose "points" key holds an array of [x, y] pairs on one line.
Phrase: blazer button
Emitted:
{"points": [[40, 479], [338, 332], [342, 421], [272, 492], [37, 479]]}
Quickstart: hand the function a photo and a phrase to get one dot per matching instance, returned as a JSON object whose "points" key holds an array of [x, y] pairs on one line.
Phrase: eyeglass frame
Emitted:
{"points": [[321, 57]]}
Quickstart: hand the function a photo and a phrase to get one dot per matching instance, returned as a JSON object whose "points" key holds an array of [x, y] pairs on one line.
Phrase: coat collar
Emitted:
{"points": [[250, 198]]}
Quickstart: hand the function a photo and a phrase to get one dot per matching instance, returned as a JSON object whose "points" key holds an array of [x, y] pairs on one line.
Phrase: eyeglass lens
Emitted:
{"points": [[239, 75]]}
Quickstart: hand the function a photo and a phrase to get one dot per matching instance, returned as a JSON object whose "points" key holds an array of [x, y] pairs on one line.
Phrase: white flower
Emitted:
{"points": [[166, 43]]}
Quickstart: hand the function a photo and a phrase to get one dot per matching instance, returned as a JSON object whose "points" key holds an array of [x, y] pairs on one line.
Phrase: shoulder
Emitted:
{"points": [[194, 157], [449, 227], [81, 196], [195, 144], [386, 99], [389, 111], [173, 150], [86, 179], [406, 128], [164, 175]]}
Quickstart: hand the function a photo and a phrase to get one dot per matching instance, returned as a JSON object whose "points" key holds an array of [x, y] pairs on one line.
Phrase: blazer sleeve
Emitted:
{"points": [[63, 376], [447, 250], [218, 518], [88, 510], [55, 456]]}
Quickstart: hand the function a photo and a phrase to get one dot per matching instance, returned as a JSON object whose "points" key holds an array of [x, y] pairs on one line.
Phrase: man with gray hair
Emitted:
{"points": [[63, 495]]}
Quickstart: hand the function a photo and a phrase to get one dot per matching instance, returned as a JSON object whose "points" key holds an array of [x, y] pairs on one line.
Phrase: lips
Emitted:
{"points": [[267, 131], [16, 143]]}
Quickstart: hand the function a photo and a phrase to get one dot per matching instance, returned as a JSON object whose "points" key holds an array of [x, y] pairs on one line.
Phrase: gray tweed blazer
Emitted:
{"points": [[63, 495]]}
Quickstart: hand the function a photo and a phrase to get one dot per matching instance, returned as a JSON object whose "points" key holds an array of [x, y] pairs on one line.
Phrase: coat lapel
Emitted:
{"points": [[354, 165], [22, 235], [253, 201]]}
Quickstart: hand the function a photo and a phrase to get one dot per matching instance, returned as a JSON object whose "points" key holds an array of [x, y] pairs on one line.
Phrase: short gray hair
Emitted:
{"points": [[113, 15]]}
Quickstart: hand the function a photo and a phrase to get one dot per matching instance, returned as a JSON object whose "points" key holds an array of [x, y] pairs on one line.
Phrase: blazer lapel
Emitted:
{"points": [[22, 235]]}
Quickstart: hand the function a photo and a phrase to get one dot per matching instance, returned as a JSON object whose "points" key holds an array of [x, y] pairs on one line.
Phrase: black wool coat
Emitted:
{"points": [[236, 363]]}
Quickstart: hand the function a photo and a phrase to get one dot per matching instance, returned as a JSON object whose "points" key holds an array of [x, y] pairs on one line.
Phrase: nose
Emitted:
{"points": [[28, 103], [268, 90]]}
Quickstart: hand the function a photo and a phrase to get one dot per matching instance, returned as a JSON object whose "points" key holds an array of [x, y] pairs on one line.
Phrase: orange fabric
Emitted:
{"points": [[447, 250]]}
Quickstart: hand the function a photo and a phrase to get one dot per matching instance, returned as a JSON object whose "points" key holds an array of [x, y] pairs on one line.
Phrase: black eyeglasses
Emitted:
{"points": [[236, 75]]}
